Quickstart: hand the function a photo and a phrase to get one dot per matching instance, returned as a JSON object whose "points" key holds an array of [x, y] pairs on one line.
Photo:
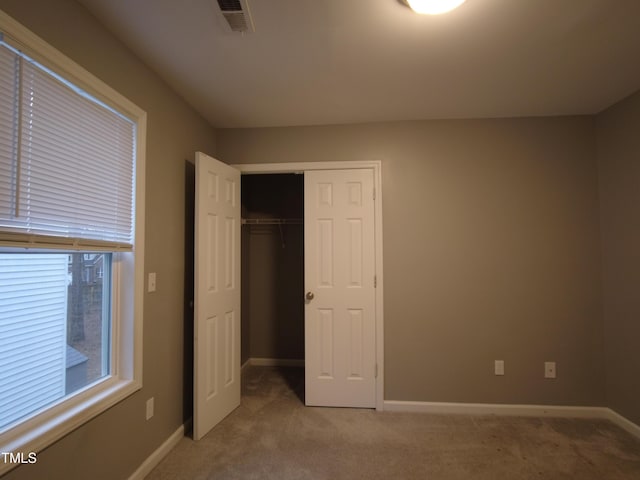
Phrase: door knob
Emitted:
{"points": [[309, 296]]}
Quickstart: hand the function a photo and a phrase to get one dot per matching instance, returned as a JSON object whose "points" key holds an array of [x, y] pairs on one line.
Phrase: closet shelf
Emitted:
{"points": [[272, 221]]}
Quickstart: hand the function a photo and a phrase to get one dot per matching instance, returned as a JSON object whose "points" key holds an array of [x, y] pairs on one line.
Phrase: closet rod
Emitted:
{"points": [[272, 221]]}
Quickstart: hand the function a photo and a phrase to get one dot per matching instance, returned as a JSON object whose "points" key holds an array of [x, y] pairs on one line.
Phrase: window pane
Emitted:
{"points": [[54, 328]]}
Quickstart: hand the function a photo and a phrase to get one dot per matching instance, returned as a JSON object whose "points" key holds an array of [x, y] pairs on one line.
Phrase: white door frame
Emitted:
{"points": [[376, 166]]}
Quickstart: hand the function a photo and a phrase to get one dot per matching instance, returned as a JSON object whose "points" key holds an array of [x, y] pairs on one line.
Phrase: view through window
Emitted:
{"points": [[54, 328]]}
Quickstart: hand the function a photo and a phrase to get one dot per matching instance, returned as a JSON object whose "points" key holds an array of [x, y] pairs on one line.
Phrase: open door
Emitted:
{"points": [[340, 323], [217, 293]]}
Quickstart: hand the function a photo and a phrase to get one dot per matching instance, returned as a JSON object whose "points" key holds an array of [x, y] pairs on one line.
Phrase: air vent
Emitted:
{"points": [[230, 5], [237, 15]]}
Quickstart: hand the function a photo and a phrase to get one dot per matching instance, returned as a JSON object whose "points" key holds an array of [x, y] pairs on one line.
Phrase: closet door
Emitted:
{"points": [[217, 293], [340, 351]]}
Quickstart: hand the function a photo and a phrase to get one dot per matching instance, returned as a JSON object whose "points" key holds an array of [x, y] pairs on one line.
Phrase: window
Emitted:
{"points": [[71, 250], [54, 329]]}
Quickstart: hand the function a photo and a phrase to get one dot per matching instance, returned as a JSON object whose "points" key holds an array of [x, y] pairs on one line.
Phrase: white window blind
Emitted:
{"points": [[8, 131], [67, 162]]}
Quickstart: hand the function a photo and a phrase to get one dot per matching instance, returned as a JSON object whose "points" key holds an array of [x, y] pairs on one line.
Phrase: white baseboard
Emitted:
{"points": [[514, 410], [275, 362], [623, 422], [156, 457], [495, 409]]}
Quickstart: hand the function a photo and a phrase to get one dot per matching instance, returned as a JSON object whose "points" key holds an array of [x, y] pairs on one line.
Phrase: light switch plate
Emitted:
{"points": [[152, 283]]}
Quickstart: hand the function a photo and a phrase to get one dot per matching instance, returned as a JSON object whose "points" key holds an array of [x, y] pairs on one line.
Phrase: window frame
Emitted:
{"points": [[43, 429]]}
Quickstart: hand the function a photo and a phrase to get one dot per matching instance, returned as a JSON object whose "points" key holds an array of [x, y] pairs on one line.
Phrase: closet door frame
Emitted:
{"points": [[376, 167]]}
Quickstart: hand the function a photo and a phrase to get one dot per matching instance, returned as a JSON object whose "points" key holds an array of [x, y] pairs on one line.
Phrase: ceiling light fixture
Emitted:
{"points": [[434, 7]]}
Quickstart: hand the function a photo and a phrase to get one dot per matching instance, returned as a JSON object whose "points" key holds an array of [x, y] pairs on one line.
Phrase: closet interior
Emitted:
{"points": [[272, 267]]}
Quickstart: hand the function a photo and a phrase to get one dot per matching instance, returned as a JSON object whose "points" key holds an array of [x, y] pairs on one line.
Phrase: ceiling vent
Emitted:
{"points": [[237, 15]]}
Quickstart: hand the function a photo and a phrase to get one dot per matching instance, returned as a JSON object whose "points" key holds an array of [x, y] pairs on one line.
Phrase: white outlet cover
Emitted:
{"points": [[549, 369], [499, 367]]}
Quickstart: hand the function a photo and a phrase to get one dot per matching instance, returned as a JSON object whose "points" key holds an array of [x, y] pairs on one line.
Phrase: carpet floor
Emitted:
{"points": [[272, 435]]}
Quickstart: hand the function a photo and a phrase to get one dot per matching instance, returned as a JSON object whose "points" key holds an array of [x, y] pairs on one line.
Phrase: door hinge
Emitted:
{"points": [[374, 193], [375, 281], [376, 371]]}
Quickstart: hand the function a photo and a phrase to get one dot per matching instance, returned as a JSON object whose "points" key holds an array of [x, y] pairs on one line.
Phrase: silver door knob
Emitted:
{"points": [[309, 296]]}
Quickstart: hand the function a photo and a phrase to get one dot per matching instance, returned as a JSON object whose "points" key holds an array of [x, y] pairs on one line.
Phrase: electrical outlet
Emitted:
{"points": [[149, 408], [549, 369], [499, 367]]}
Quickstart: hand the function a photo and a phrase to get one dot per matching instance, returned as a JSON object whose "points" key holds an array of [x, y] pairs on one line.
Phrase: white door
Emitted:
{"points": [[217, 293], [340, 353]]}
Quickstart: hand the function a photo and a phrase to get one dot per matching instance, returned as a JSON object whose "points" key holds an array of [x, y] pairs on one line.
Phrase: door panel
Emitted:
{"points": [[217, 293], [340, 319]]}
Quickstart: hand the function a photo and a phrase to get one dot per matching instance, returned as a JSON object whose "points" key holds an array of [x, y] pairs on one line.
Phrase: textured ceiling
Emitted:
{"points": [[314, 62]]}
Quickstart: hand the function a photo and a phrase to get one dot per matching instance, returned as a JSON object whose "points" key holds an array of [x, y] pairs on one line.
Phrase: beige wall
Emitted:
{"points": [[491, 251], [114, 444], [275, 293], [619, 175]]}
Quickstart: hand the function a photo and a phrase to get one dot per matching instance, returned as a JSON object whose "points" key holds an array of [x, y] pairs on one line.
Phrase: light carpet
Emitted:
{"points": [[272, 435]]}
